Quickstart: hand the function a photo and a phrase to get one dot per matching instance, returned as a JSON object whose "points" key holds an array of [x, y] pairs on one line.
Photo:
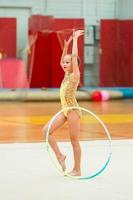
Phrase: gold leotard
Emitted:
{"points": [[68, 94]]}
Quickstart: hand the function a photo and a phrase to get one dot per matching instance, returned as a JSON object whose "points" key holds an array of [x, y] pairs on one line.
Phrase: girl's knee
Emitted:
{"points": [[74, 140], [45, 131]]}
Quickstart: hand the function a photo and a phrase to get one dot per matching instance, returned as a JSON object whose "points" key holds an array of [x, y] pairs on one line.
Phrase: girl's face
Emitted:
{"points": [[67, 64]]}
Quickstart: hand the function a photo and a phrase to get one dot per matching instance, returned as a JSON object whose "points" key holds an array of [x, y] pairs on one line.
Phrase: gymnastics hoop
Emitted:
{"points": [[58, 165]]}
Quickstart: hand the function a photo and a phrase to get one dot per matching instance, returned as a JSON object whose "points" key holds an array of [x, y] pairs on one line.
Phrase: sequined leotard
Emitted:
{"points": [[68, 94]]}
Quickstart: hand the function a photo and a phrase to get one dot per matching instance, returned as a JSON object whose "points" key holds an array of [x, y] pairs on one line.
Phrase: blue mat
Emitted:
{"points": [[126, 91]]}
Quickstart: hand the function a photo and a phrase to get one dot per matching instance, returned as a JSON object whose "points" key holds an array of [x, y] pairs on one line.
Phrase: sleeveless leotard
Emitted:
{"points": [[68, 94]]}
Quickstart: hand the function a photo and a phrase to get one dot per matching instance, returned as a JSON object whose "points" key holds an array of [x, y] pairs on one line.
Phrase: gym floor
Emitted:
{"points": [[26, 171]]}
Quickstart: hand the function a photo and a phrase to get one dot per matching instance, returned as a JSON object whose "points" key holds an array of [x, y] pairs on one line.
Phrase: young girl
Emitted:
{"points": [[70, 65]]}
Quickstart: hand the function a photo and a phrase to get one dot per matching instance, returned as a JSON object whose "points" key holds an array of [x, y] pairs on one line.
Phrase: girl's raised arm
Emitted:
{"points": [[66, 44], [76, 35]]}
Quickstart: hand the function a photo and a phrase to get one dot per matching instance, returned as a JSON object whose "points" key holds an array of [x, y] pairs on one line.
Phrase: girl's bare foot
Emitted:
{"points": [[75, 173], [62, 162]]}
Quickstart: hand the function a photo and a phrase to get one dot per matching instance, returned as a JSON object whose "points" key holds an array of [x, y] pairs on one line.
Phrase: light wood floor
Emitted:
{"points": [[23, 121]]}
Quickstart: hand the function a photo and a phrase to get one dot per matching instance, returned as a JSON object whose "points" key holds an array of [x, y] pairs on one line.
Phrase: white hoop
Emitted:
{"points": [[106, 130]]}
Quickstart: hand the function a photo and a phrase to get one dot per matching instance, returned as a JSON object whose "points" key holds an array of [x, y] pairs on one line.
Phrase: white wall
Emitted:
{"points": [[125, 9], [91, 10], [64, 8]]}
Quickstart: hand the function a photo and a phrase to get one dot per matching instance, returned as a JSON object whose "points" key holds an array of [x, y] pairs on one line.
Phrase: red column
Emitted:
{"points": [[39, 73], [8, 36], [56, 72], [116, 59], [125, 67], [109, 44]]}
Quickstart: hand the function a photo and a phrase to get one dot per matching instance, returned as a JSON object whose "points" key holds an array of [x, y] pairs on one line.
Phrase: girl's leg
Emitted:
{"points": [[74, 130], [57, 123]]}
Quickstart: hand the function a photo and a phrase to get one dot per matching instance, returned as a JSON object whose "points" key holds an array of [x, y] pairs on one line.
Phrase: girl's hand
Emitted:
{"points": [[77, 33]]}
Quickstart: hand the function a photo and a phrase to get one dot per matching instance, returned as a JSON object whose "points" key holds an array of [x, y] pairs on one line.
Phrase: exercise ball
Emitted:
{"points": [[105, 95], [96, 96]]}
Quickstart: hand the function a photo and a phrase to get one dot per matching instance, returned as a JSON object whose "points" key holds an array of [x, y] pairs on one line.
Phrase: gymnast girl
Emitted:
{"points": [[70, 64]]}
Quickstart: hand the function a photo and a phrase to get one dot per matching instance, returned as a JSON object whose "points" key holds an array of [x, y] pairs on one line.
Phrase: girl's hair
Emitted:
{"points": [[78, 58]]}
